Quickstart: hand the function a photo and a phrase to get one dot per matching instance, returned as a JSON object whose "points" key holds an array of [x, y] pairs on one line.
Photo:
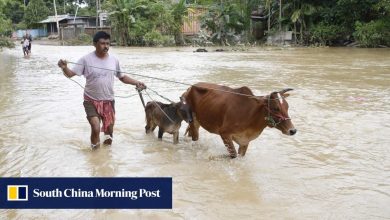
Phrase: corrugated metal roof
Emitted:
{"points": [[52, 19]]}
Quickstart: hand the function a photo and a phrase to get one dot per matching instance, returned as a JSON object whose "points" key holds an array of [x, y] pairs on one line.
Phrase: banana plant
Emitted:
{"points": [[224, 21], [298, 17], [124, 15]]}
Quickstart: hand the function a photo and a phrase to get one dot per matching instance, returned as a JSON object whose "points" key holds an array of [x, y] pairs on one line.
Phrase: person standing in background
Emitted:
{"points": [[29, 37]]}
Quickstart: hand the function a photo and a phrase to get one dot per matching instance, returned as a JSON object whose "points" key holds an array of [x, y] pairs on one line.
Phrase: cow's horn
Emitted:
{"points": [[285, 90]]}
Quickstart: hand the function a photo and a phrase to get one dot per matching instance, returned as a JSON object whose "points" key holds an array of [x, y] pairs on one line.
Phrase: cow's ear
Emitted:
{"points": [[285, 95], [176, 104], [183, 100]]}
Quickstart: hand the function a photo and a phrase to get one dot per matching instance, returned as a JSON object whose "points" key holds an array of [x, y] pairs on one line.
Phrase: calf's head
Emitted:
{"points": [[184, 110]]}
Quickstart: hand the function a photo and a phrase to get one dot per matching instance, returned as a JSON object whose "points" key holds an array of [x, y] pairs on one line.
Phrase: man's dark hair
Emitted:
{"points": [[101, 35]]}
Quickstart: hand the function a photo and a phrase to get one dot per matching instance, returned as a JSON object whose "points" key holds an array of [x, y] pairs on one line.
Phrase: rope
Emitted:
{"points": [[269, 118], [117, 96], [139, 92], [158, 106], [166, 80], [160, 95], [135, 74]]}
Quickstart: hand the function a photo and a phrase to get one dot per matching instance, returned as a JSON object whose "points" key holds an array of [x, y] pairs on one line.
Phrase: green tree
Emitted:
{"points": [[143, 22], [14, 10], [324, 34], [36, 11], [374, 33], [383, 5], [224, 21], [299, 15], [121, 18], [153, 16], [5, 26], [180, 14], [5, 23], [133, 19]]}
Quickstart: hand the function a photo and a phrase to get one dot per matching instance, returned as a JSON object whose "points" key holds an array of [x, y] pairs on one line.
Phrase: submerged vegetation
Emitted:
{"points": [[222, 22]]}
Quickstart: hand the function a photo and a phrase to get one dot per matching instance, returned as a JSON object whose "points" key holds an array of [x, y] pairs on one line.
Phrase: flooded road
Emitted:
{"points": [[336, 167]]}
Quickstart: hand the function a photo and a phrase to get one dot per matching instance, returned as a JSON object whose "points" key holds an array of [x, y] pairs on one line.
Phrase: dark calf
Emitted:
{"points": [[176, 112]]}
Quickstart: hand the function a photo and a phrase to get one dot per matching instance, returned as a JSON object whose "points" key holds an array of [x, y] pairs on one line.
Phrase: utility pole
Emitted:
{"points": [[55, 12], [74, 19], [97, 13]]}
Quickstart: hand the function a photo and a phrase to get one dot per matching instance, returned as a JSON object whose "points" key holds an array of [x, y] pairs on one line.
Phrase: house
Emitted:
{"points": [[67, 20]]}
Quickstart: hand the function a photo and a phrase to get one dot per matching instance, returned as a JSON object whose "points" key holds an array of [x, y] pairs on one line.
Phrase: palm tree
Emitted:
{"points": [[268, 7], [298, 16]]}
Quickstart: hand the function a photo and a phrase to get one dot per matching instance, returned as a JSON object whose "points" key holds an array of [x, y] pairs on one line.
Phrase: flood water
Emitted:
{"points": [[336, 167]]}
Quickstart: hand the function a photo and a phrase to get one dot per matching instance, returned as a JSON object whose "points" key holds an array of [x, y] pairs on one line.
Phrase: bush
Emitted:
{"points": [[82, 39], [325, 34], [85, 38], [201, 39], [5, 26], [153, 38], [373, 34], [6, 42], [168, 40]]}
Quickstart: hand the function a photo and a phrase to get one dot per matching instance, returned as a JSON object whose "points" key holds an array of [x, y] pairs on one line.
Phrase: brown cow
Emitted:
{"points": [[236, 114], [176, 112]]}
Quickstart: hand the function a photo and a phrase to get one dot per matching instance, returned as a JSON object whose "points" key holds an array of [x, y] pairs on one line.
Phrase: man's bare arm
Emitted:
{"points": [[64, 66], [127, 80]]}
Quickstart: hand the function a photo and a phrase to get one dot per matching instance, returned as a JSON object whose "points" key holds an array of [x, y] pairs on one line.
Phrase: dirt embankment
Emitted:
{"points": [[47, 42]]}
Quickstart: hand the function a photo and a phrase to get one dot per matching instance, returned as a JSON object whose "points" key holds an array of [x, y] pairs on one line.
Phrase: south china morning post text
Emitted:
{"points": [[98, 193], [86, 193]]}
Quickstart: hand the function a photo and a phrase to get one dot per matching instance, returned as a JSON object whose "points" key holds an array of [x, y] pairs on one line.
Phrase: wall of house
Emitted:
{"points": [[192, 25], [91, 22], [71, 32], [92, 30], [35, 33]]}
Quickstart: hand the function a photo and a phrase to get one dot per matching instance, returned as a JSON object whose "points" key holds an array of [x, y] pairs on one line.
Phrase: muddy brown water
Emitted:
{"points": [[336, 167]]}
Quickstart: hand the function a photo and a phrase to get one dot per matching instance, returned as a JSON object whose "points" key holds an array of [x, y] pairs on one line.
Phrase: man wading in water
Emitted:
{"points": [[99, 69]]}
